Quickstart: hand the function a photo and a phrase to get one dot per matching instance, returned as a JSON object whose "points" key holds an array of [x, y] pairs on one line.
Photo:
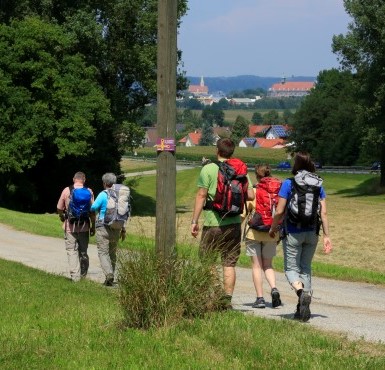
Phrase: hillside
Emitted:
{"points": [[239, 83]]}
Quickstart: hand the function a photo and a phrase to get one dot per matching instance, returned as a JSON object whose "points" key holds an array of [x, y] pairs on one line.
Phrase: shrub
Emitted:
{"points": [[155, 292]]}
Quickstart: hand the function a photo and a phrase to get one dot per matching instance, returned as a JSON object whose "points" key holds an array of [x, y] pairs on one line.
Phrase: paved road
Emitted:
{"points": [[356, 309]]}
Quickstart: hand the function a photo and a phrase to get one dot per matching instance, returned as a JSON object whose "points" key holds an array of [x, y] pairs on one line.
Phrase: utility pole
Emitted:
{"points": [[165, 234]]}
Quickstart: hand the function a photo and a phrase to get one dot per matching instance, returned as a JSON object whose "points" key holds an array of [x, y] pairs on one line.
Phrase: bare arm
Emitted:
{"points": [[200, 200], [250, 194], [279, 212], [325, 228]]}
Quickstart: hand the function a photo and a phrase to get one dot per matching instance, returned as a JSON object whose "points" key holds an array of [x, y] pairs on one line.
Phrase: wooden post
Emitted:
{"points": [[165, 234]]}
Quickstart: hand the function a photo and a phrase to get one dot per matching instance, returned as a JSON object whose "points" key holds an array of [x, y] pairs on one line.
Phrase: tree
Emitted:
{"points": [[119, 38], [362, 50], [240, 130], [257, 118], [69, 84], [213, 115], [53, 110], [287, 116], [131, 136], [207, 138], [271, 117], [324, 125], [223, 104]]}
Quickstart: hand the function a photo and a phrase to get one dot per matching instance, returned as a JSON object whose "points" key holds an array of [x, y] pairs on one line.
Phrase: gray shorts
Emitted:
{"points": [[261, 249]]}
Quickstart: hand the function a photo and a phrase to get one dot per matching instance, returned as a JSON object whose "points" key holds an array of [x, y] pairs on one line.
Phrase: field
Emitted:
{"points": [[80, 325], [355, 206], [249, 155], [232, 114], [353, 216]]}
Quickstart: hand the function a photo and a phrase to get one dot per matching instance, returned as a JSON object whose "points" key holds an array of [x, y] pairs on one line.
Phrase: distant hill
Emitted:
{"points": [[239, 83]]}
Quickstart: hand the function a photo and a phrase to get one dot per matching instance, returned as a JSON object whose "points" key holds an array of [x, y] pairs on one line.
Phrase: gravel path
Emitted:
{"points": [[356, 309]]}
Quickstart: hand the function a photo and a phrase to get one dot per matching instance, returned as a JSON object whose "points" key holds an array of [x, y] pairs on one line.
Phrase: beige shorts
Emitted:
{"points": [[262, 249]]}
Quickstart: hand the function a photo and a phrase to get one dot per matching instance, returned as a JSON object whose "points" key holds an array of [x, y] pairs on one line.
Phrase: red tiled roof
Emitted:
{"points": [[255, 129], [195, 137], [292, 86], [270, 143], [198, 89]]}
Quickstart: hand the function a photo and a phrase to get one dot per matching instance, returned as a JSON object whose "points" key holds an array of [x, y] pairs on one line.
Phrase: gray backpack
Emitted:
{"points": [[303, 207], [118, 206]]}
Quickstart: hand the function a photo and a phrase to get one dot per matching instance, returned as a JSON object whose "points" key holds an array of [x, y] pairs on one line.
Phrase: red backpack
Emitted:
{"points": [[266, 200], [232, 184]]}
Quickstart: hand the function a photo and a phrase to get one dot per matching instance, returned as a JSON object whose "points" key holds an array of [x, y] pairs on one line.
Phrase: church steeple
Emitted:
{"points": [[202, 81]]}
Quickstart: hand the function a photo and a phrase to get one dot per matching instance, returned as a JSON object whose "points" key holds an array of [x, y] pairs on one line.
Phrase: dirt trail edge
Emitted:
{"points": [[356, 309]]}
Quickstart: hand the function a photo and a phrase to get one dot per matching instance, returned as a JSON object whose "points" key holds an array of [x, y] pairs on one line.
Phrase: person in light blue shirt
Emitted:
{"points": [[300, 243], [107, 238]]}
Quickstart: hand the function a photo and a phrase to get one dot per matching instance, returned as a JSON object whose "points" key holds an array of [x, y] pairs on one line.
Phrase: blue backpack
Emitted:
{"points": [[79, 205]]}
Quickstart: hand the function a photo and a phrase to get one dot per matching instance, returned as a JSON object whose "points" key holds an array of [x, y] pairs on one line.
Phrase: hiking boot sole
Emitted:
{"points": [[275, 299], [304, 308], [258, 305]]}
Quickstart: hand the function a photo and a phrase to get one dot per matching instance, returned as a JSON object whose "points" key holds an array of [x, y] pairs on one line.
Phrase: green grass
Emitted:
{"points": [[232, 114], [249, 155], [47, 322], [144, 204]]}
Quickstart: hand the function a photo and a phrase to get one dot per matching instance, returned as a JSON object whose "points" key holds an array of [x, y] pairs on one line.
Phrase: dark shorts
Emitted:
{"points": [[222, 240]]}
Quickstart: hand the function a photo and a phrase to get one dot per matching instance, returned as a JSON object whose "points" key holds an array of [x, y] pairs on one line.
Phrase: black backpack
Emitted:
{"points": [[303, 206]]}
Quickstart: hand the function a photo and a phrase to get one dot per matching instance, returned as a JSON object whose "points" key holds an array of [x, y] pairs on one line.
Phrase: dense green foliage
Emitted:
{"points": [[362, 51], [240, 130], [74, 77], [207, 138], [325, 124]]}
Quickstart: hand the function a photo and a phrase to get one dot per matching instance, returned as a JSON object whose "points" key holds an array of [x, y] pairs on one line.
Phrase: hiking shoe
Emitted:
{"points": [[109, 280], [84, 263], [297, 315], [304, 306], [259, 303], [275, 298]]}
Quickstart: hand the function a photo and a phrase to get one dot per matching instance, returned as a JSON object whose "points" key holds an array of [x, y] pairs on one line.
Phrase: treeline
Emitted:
{"points": [[75, 77]]}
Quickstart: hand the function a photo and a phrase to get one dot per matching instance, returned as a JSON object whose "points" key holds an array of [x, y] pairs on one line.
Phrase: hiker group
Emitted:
{"points": [[292, 211], [83, 217]]}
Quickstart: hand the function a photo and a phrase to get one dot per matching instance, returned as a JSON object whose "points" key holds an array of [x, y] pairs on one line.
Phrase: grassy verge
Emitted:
{"points": [[249, 155], [355, 205], [49, 323]]}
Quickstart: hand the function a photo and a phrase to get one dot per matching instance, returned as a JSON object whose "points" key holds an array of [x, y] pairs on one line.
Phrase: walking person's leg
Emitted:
{"points": [[83, 240], [292, 250], [71, 247], [254, 250], [113, 245], [269, 250], [308, 249], [102, 240], [230, 252]]}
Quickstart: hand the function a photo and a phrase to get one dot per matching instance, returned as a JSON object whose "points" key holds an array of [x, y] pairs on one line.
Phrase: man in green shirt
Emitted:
{"points": [[222, 234]]}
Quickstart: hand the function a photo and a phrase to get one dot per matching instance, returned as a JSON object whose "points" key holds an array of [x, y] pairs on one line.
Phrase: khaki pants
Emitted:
{"points": [[107, 242], [76, 245]]}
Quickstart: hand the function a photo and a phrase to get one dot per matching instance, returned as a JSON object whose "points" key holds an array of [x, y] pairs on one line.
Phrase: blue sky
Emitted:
{"points": [[260, 37]]}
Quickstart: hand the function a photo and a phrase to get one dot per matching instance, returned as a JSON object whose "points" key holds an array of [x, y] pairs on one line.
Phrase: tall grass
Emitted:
{"points": [[157, 292]]}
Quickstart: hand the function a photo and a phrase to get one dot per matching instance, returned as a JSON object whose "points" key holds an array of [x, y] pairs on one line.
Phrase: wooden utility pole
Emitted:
{"points": [[165, 234]]}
